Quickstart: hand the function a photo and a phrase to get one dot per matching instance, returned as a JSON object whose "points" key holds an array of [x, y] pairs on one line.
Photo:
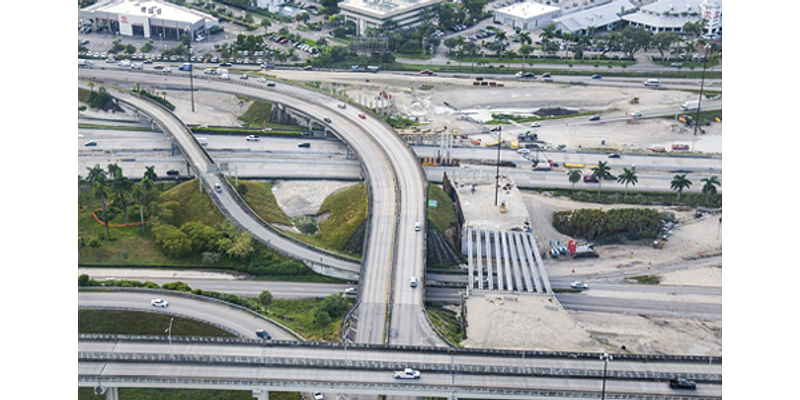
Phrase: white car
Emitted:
{"points": [[407, 373], [523, 151], [417, 226], [413, 281], [243, 76], [159, 303], [579, 285], [636, 114], [252, 138], [536, 125], [318, 396], [351, 291]]}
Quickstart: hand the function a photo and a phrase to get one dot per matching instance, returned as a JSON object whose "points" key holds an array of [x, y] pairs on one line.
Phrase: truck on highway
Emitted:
{"points": [[407, 373], [85, 63], [652, 83], [690, 105], [373, 68], [355, 68]]}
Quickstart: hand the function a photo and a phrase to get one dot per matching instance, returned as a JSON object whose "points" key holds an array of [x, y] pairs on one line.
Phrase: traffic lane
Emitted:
{"points": [[578, 302], [248, 288], [427, 381], [243, 323]]}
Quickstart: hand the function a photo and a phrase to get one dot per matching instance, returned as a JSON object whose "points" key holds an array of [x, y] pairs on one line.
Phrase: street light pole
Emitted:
{"points": [[702, 82], [605, 358], [191, 67], [497, 174]]}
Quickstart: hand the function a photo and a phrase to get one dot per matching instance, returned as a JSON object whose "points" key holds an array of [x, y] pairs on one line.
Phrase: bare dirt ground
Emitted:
{"points": [[695, 236], [211, 108], [298, 198], [424, 98]]}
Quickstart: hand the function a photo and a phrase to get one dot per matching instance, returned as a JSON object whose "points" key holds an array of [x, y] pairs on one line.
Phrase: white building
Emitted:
{"points": [[272, 6], [149, 19], [599, 18], [671, 15], [374, 13], [527, 16]]}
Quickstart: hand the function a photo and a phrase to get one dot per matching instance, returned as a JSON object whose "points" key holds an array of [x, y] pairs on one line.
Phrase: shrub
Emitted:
{"points": [[202, 236], [612, 225], [172, 240], [94, 242], [81, 242], [180, 286], [210, 257], [334, 305]]}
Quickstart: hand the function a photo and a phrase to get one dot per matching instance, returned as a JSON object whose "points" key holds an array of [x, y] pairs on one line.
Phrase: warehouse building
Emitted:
{"points": [[149, 19], [374, 13], [527, 16], [600, 18]]}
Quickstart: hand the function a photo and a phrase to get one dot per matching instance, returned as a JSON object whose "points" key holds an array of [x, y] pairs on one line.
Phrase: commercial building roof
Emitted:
{"points": [[527, 10], [384, 8], [673, 6], [150, 8], [596, 16]]}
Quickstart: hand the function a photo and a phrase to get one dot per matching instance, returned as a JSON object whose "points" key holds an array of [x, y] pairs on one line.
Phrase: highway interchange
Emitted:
{"points": [[397, 190]]}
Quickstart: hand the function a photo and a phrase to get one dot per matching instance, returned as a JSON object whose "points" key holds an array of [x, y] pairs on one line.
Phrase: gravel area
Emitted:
{"points": [[297, 198]]}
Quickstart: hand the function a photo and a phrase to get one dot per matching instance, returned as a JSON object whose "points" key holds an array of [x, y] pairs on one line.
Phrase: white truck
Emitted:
{"points": [[652, 83], [85, 63], [690, 105], [407, 373]]}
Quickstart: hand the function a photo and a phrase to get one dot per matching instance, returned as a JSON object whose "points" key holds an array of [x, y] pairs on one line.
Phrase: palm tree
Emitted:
{"points": [[97, 178], [150, 173], [603, 171], [524, 50], [121, 186], [574, 176], [710, 186], [144, 195], [627, 177], [679, 182]]}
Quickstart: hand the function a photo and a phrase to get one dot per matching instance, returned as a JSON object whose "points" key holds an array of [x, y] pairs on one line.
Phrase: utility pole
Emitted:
{"points": [[497, 174], [605, 358], [700, 98], [191, 67]]}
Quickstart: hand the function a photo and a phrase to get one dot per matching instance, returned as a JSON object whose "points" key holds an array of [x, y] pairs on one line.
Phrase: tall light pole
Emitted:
{"points": [[191, 68], [605, 358], [497, 174], [702, 82]]}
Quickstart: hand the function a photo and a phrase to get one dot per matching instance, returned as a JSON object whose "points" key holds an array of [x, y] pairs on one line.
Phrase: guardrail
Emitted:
{"points": [[527, 354], [368, 365], [86, 380]]}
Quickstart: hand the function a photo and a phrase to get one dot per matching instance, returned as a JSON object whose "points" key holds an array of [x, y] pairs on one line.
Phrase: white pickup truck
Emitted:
{"points": [[407, 373]]}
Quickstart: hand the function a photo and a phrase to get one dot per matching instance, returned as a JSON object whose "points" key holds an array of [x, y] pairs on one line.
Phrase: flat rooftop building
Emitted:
{"points": [[374, 13], [149, 19], [671, 15], [527, 16]]}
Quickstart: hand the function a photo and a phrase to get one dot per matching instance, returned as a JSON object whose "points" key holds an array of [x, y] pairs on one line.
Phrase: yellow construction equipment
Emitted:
{"points": [[503, 208], [634, 100]]}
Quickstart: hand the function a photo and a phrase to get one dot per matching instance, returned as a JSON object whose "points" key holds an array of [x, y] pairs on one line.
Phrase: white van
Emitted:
{"points": [[203, 141], [652, 83]]}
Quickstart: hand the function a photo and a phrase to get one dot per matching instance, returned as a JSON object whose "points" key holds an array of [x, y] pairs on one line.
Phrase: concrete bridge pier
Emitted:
{"points": [[111, 392], [261, 394]]}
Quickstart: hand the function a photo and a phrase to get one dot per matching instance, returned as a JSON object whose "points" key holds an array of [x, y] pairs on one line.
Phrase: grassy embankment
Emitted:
{"points": [[444, 214], [689, 199], [142, 323], [131, 247], [446, 322]]}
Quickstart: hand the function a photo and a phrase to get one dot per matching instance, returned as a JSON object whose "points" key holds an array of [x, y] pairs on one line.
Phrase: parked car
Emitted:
{"points": [[536, 125], [252, 138], [614, 155], [263, 334], [681, 383], [173, 172], [579, 285], [636, 114], [159, 303]]}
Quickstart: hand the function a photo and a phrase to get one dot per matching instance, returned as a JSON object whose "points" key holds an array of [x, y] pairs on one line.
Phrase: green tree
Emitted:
{"points": [[603, 171], [662, 41], [121, 186], [627, 177], [710, 185], [265, 298], [150, 173], [99, 190], [574, 176], [635, 39], [202, 236], [334, 305], [679, 183], [321, 318], [172, 240], [241, 247], [525, 50]]}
